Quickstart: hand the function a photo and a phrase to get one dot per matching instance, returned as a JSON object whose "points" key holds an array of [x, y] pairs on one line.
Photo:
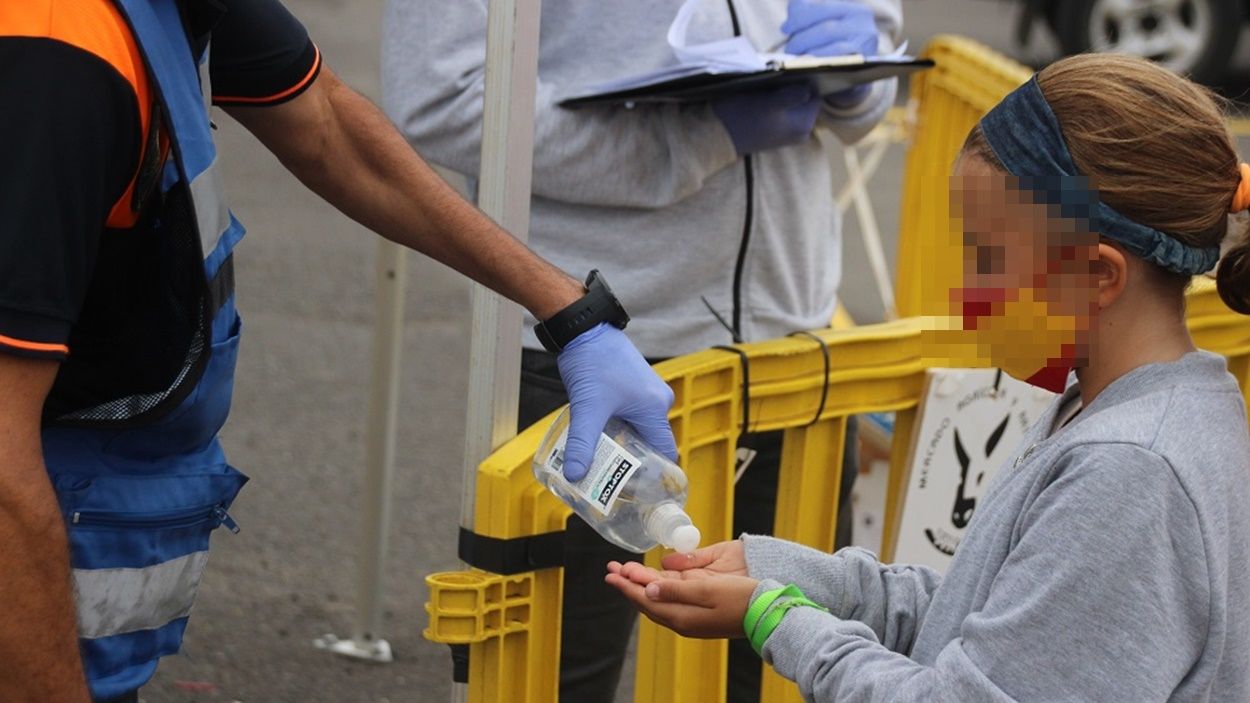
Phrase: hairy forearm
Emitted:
{"points": [[39, 659], [351, 155], [38, 632]]}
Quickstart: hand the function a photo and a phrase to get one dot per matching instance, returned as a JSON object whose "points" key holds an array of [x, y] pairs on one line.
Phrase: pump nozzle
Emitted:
{"points": [[669, 525], [686, 538]]}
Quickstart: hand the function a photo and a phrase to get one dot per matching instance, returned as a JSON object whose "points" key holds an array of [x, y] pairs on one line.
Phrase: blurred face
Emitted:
{"points": [[1028, 291]]}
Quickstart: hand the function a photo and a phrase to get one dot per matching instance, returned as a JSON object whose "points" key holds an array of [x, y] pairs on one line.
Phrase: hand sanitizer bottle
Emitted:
{"points": [[632, 495]]}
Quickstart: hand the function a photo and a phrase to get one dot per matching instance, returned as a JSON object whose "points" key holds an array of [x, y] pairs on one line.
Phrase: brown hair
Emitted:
{"points": [[1157, 148]]}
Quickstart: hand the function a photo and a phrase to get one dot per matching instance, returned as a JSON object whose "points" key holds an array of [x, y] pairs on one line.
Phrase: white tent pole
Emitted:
{"points": [[504, 195], [366, 641]]}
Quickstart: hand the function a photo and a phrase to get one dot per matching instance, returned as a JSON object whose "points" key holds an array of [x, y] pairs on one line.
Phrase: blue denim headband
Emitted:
{"points": [[1024, 134]]}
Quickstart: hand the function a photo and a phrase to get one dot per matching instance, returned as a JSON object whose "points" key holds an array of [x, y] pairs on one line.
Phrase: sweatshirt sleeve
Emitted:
{"points": [[1104, 596], [889, 599], [853, 123], [433, 75]]}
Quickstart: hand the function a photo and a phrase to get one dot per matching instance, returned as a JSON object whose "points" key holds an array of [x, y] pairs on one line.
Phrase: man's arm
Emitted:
{"points": [[344, 149], [38, 631]]}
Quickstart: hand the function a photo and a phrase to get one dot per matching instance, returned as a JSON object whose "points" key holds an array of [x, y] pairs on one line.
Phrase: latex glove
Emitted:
{"points": [[832, 28], [606, 377], [768, 119]]}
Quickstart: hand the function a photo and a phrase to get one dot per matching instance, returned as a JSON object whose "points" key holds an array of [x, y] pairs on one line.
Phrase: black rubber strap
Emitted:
{"points": [[824, 386], [599, 304], [512, 556], [459, 663], [221, 286], [746, 385]]}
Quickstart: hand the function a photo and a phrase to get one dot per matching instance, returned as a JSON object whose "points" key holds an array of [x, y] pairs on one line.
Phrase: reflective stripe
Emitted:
{"points": [[117, 601], [211, 213], [207, 194], [206, 80]]}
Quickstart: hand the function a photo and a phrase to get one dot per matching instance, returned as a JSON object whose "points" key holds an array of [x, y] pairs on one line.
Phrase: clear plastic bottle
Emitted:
{"points": [[632, 495]]}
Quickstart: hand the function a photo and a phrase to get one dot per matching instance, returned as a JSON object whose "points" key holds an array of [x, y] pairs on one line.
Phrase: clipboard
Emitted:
{"points": [[828, 76]]}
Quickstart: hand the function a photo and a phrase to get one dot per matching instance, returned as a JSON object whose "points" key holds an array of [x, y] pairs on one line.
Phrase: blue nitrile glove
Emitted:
{"points": [[832, 28], [767, 119], [606, 377]]}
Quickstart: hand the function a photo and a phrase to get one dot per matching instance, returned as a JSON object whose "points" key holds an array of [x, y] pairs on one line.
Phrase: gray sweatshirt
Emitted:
{"points": [[1109, 562], [654, 197]]}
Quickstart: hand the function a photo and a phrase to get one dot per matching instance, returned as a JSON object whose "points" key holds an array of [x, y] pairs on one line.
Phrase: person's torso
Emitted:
{"points": [[1211, 461], [666, 261]]}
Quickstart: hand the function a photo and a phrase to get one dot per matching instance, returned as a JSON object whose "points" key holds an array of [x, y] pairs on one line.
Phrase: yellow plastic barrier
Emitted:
{"points": [[511, 623], [945, 103], [514, 645]]}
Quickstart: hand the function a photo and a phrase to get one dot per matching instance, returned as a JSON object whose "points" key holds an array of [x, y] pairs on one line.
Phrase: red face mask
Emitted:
{"points": [[1000, 321]]}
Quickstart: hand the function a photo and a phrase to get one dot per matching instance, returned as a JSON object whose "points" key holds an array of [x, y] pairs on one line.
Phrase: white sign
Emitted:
{"points": [[970, 421]]}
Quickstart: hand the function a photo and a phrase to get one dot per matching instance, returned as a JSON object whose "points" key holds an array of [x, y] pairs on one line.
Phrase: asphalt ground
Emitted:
{"points": [[306, 292]]}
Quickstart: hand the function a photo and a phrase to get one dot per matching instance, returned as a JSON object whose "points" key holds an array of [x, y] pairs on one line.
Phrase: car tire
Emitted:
{"points": [[1201, 46]]}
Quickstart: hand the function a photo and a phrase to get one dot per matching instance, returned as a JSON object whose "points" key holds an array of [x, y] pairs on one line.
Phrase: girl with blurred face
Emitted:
{"points": [[1110, 558]]}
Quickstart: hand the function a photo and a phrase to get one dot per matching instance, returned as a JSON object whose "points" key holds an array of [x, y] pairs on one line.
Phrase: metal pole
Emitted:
{"points": [[504, 195], [868, 223], [388, 334]]}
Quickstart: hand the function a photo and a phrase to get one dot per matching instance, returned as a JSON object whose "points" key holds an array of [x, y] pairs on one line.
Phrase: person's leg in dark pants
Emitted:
{"points": [[597, 621], [755, 507]]}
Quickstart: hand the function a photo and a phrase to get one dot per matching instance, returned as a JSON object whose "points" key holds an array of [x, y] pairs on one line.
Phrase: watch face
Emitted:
{"points": [[619, 318]]}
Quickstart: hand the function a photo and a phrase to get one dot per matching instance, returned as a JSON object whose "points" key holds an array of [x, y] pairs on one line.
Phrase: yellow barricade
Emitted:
{"points": [[944, 103], [806, 386], [512, 623]]}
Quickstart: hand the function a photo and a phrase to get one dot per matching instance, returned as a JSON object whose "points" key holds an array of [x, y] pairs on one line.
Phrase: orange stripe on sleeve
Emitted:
{"points": [[33, 346], [303, 83]]}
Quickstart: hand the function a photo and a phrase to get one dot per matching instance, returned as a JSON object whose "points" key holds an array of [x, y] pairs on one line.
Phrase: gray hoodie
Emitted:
{"points": [[655, 197], [1109, 562]]}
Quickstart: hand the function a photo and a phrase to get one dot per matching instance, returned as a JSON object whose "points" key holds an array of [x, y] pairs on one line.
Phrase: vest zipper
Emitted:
{"points": [[187, 517]]}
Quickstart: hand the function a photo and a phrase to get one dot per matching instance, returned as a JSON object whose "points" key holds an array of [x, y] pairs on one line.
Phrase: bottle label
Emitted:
{"points": [[611, 469]]}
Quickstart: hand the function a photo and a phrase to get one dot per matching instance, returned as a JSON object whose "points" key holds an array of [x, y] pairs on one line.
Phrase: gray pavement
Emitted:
{"points": [[306, 294]]}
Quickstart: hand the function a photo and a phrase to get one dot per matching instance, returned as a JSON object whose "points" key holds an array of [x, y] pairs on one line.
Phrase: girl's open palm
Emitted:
{"points": [[696, 602]]}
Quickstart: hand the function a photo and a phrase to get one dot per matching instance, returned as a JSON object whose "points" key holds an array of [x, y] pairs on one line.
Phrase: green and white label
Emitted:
{"points": [[611, 469]]}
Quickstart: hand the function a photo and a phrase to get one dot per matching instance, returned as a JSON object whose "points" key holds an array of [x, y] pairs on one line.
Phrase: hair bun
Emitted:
{"points": [[1233, 279]]}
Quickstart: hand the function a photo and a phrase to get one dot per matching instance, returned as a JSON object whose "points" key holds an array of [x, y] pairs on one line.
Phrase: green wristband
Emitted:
{"points": [[761, 605], [765, 613]]}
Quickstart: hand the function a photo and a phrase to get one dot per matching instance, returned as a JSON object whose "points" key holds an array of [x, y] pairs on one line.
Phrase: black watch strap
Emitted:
{"points": [[598, 305]]}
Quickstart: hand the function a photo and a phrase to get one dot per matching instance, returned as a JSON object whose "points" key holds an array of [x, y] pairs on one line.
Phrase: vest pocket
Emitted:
{"points": [[214, 515], [139, 546], [195, 423]]}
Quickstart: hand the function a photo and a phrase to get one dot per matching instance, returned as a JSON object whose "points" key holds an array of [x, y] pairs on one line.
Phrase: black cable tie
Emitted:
{"points": [[746, 385], [733, 333], [824, 386]]}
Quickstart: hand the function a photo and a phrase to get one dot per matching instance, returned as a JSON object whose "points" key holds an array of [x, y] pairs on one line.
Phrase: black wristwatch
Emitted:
{"points": [[598, 305]]}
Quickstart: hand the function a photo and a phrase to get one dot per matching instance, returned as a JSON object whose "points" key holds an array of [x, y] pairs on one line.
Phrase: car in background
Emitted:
{"points": [[1196, 38]]}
